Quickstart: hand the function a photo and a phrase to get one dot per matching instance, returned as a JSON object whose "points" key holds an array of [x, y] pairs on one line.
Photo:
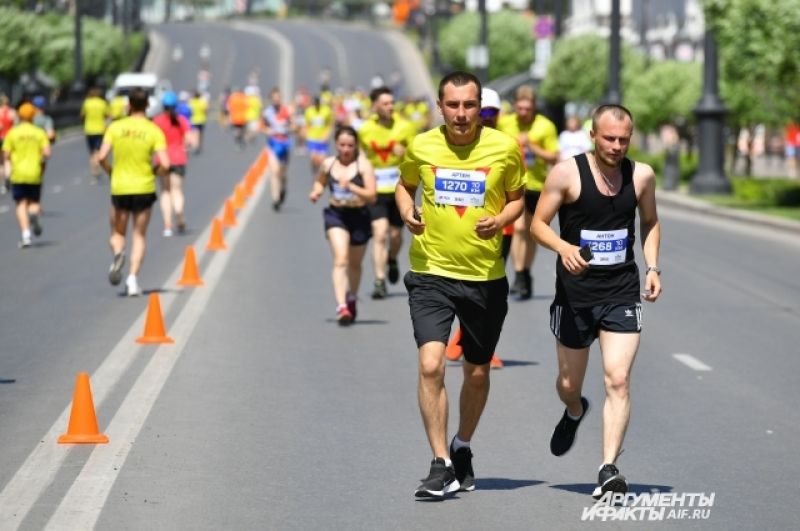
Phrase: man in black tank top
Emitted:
{"points": [[596, 197]]}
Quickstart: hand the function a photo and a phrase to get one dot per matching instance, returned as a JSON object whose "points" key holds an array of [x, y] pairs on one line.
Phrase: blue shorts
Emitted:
{"points": [[315, 146], [280, 147], [93, 142]]}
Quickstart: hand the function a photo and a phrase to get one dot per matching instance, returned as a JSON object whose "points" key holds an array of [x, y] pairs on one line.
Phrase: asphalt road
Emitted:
{"points": [[267, 415]]}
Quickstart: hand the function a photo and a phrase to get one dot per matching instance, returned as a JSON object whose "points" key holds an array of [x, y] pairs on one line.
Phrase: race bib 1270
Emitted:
{"points": [[459, 187], [609, 247]]}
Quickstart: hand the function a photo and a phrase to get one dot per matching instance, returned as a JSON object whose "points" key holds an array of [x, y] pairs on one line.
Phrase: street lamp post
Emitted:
{"points": [[77, 85], [483, 38], [710, 112], [614, 94]]}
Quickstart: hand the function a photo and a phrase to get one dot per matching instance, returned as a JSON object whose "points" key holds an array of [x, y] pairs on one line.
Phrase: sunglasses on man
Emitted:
{"points": [[489, 112]]}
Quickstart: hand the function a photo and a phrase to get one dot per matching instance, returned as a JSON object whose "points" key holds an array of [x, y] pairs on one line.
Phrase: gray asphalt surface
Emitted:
{"points": [[276, 418]]}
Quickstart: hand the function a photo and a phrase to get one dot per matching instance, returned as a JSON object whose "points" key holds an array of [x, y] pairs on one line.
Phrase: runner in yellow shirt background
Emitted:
{"points": [[25, 150], [134, 141], [384, 138], [538, 138], [95, 111], [316, 132], [199, 106]]}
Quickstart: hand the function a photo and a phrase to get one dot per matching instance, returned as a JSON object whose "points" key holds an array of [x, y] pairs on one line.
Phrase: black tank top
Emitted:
{"points": [[339, 193], [607, 223]]}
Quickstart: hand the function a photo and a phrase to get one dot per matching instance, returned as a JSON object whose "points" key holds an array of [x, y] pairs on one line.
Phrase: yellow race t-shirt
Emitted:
{"points": [[460, 185], [118, 106], [318, 123], [95, 111], [134, 140], [378, 142], [542, 132], [199, 107], [24, 145]]}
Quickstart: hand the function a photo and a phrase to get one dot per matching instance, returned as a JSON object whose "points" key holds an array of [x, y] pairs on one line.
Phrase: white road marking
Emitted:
{"points": [[691, 362], [44, 462], [341, 55], [81, 506], [57, 189], [285, 81]]}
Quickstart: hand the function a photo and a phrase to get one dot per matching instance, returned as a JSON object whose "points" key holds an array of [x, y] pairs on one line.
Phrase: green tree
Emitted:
{"points": [[578, 70], [510, 41], [663, 93], [19, 38], [758, 43]]}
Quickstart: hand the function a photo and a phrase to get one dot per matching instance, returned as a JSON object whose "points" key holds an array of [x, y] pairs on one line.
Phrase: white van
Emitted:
{"points": [[148, 81]]}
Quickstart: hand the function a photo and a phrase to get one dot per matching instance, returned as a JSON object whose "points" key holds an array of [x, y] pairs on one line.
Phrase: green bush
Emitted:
{"points": [[510, 41], [767, 192]]}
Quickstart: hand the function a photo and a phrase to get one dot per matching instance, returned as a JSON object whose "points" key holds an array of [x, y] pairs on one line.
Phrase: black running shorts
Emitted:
{"points": [[531, 200], [354, 220], [386, 207], [179, 169], [578, 327], [480, 306], [133, 203], [31, 192]]}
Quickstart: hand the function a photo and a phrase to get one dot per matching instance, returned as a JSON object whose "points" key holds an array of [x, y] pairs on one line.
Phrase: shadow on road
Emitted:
{"points": [[635, 488], [3, 381], [505, 483]]}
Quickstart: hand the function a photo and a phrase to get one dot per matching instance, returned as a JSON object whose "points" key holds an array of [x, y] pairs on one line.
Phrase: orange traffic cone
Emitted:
{"points": [[191, 276], [453, 351], [229, 214], [82, 427], [495, 363], [154, 331], [216, 242], [238, 197]]}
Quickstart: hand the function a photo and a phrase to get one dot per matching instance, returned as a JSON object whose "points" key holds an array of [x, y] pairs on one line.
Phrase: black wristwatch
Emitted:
{"points": [[653, 268]]}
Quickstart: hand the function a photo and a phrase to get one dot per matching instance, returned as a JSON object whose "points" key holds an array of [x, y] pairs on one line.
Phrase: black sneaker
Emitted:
{"points": [[564, 434], [462, 464], [380, 290], [115, 271], [525, 288], [609, 480], [394, 271], [36, 226], [519, 281], [440, 481]]}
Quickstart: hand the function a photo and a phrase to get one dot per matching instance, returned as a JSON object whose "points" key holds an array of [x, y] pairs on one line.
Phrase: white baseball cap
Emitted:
{"points": [[490, 99]]}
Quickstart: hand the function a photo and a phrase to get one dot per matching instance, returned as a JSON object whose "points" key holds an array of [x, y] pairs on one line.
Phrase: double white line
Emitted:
{"points": [[82, 504]]}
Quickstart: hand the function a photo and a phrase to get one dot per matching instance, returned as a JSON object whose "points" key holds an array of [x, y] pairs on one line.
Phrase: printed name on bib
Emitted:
{"points": [[609, 247], [460, 187], [386, 179]]}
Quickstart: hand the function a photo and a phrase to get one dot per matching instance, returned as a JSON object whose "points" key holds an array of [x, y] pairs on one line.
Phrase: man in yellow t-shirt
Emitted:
{"points": [[383, 138], [199, 106], [118, 108], [472, 186], [25, 150], [538, 139], [317, 128], [95, 111], [134, 141]]}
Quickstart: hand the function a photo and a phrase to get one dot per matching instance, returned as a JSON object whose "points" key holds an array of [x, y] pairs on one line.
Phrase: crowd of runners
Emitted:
{"points": [[470, 194]]}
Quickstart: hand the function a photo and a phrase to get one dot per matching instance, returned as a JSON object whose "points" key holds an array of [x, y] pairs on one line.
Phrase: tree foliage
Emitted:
{"points": [[510, 41], [666, 92], [578, 70], [758, 43], [47, 43]]}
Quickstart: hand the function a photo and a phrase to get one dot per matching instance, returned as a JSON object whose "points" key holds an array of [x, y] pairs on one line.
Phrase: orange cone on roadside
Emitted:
{"points": [[238, 197], [216, 242], [191, 276], [453, 351], [82, 427], [229, 214], [495, 362], [154, 331]]}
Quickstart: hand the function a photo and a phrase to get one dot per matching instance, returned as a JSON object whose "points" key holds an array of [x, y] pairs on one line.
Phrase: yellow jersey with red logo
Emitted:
{"points": [[541, 132], [24, 146], [378, 143], [134, 140], [460, 185]]}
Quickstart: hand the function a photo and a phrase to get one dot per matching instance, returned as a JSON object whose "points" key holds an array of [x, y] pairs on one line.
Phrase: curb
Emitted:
{"points": [[683, 202]]}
